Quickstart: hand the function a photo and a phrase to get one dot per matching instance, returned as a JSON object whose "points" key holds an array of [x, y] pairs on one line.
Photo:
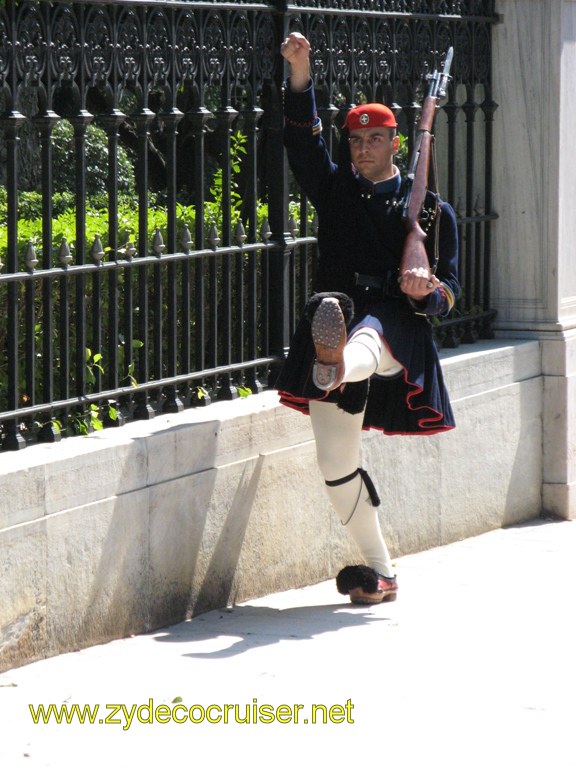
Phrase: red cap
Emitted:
{"points": [[370, 116]]}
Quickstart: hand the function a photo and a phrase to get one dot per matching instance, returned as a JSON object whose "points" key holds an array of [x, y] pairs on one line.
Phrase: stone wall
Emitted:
{"points": [[533, 259], [127, 530]]}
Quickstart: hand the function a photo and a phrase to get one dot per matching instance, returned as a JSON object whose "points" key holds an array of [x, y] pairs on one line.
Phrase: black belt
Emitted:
{"points": [[385, 285]]}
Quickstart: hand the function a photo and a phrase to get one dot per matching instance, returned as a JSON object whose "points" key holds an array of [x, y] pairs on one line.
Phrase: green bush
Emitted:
{"points": [[63, 226], [96, 154], [64, 212]]}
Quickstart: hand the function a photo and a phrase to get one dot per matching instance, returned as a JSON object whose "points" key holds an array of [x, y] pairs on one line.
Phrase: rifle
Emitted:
{"points": [[414, 253]]}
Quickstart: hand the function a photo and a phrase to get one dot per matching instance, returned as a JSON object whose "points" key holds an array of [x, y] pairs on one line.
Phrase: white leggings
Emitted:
{"points": [[366, 353], [338, 436]]}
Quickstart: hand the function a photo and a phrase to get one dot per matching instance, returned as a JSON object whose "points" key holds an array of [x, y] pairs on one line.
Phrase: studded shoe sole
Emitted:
{"points": [[387, 593], [329, 337]]}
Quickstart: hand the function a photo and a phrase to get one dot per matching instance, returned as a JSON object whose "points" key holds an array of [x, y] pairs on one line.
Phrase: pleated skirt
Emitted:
{"points": [[414, 402]]}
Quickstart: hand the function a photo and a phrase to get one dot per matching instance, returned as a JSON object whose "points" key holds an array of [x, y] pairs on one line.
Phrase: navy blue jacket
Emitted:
{"points": [[359, 230], [361, 236]]}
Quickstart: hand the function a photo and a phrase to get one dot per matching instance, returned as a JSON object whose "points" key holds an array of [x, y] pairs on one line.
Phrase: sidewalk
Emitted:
{"points": [[473, 665]]}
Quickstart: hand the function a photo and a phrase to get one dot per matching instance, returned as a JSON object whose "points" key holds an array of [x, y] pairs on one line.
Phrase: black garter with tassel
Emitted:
{"points": [[370, 487]]}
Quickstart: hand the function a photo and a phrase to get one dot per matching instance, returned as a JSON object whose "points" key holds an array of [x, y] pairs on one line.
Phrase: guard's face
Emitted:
{"points": [[372, 151]]}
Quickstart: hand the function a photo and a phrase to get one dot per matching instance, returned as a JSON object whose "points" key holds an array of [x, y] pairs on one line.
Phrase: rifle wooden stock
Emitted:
{"points": [[414, 254]]}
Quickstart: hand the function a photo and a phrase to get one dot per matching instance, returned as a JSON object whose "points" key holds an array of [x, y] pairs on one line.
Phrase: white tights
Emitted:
{"points": [[365, 354], [338, 436]]}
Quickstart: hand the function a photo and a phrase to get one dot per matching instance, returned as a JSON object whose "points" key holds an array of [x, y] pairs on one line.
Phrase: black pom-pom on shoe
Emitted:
{"points": [[346, 304], [353, 576], [365, 586]]}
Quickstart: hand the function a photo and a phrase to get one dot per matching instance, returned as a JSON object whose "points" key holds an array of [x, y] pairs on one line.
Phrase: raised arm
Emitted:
{"points": [[296, 51], [308, 155]]}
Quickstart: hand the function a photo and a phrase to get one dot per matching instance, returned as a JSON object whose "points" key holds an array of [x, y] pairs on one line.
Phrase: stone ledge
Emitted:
{"points": [[131, 529]]}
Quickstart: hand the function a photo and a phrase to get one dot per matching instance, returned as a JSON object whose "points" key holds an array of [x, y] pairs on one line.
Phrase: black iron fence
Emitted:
{"points": [[154, 251]]}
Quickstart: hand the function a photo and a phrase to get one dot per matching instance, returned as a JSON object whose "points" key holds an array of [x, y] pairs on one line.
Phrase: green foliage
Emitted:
{"points": [[93, 362], [64, 226], [82, 422], [30, 225], [129, 366], [402, 158], [90, 417], [96, 157], [86, 420], [40, 424], [200, 393], [214, 208]]}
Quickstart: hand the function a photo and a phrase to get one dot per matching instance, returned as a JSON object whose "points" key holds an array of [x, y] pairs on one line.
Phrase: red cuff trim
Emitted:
{"points": [[308, 124]]}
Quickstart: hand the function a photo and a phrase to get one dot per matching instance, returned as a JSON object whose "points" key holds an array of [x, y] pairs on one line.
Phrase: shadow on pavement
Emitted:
{"points": [[257, 626]]}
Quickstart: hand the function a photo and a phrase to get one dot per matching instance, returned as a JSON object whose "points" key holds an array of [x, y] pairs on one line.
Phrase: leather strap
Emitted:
{"points": [[370, 487]]}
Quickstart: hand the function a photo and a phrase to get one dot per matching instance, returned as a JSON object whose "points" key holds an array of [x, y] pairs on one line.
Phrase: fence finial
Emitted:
{"points": [[186, 239], [158, 243], [97, 250], [64, 255], [213, 236], [30, 256], [240, 232]]}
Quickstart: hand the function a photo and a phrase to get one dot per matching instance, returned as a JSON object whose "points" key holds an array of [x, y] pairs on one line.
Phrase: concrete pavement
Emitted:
{"points": [[474, 665]]}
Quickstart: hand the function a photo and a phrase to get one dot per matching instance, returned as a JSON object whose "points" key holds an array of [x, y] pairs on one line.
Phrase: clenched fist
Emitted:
{"points": [[296, 50]]}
